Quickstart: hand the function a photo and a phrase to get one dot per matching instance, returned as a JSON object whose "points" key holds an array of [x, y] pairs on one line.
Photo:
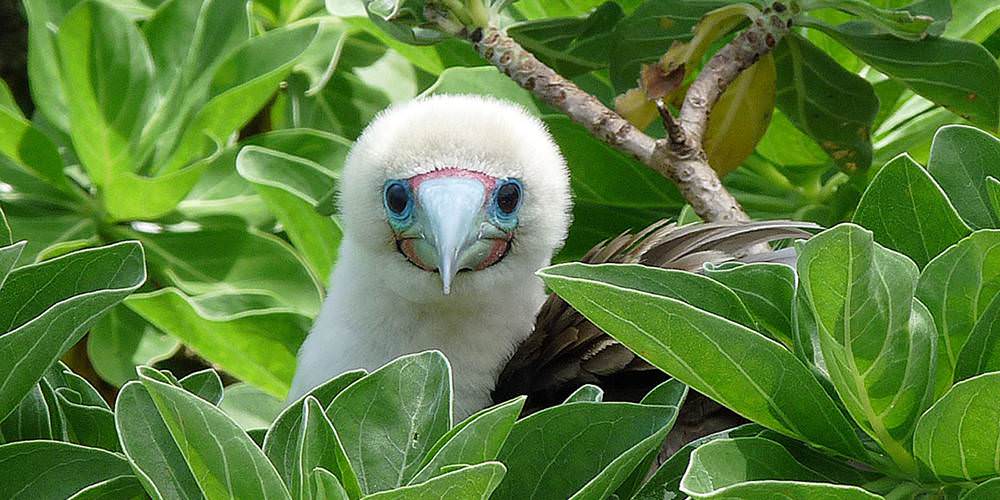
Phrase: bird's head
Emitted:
{"points": [[455, 194]]}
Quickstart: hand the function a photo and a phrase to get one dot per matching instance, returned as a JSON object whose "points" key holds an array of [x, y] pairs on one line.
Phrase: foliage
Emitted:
{"points": [[201, 140], [883, 351]]}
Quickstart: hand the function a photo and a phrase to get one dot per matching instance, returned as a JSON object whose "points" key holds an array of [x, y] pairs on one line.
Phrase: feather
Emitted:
{"points": [[566, 351]]}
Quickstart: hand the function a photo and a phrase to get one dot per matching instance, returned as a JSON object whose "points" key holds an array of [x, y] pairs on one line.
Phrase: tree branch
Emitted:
{"points": [[679, 157]]}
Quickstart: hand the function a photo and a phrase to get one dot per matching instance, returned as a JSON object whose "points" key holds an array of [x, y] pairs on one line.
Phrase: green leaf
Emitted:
{"points": [[250, 407], [958, 287], [731, 364], [8, 258], [231, 260], [829, 103], [956, 74], [44, 231], [121, 340], [690, 288], [876, 341], [131, 196], [580, 448], [41, 470], [317, 445], [150, 448], [476, 440], [908, 212], [205, 384], [973, 20], [665, 483], [386, 442], [754, 467], [107, 69], [586, 392], [6, 237], [283, 441], [644, 36], [43, 64], [118, 488], [92, 426], [483, 80], [30, 149], [228, 462], [37, 416], [240, 87], [257, 346], [292, 185], [571, 45], [767, 290], [981, 352], [957, 437], [325, 486], [47, 307], [474, 481], [985, 491], [962, 158]]}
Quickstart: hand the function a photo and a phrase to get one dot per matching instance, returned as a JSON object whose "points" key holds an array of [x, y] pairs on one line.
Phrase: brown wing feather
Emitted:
{"points": [[566, 351]]}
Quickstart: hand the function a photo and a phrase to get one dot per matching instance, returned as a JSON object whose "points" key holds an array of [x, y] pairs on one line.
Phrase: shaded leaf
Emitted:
{"points": [[908, 212], [738, 367], [586, 392], [387, 442], [205, 384], [961, 159], [956, 439], [474, 481], [121, 340], [41, 470], [767, 290], [250, 407], [829, 103]]}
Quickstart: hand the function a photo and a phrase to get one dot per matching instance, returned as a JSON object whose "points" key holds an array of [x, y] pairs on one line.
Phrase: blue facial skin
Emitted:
{"points": [[445, 225]]}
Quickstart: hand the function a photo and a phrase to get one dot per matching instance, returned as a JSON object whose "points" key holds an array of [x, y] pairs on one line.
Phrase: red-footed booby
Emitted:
{"points": [[449, 205]]}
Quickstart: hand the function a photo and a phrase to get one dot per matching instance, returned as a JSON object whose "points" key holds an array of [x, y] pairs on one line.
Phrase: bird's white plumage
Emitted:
{"points": [[381, 306]]}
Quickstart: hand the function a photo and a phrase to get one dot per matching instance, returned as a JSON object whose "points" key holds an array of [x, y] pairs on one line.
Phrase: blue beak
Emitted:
{"points": [[451, 211]]}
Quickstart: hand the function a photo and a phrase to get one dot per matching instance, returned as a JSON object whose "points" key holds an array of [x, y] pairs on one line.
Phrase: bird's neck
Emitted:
{"points": [[371, 323]]}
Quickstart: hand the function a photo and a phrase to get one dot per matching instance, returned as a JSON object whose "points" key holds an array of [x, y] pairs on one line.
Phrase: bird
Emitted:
{"points": [[449, 205]]}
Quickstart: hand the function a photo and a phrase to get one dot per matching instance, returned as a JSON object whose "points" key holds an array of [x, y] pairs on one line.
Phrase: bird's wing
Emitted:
{"points": [[566, 351]]}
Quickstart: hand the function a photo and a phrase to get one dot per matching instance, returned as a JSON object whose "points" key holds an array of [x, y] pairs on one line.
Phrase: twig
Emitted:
{"points": [[680, 157]]}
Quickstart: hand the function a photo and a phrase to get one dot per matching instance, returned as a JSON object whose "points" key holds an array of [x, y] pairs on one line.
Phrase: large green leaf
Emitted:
{"points": [[228, 463], [985, 491], [958, 75], [472, 482], [47, 307], [45, 16], [47, 230], [958, 287], [973, 20], [908, 212], [292, 184], [961, 159], [571, 45], [37, 416], [586, 446], [483, 80], [832, 105], [118, 488], [981, 352], [738, 367], [234, 260], [257, 346], [476, 440], [42, 470], [29, 148], [150, 448], [121, 340], [286, 438], [107, 69], [249, 406], [878, 344], [611, 192], [206, 384], [318, 445], [957, 437], [391, 418], [86, 424], [767, 290], [754, 467], [241, 85]]}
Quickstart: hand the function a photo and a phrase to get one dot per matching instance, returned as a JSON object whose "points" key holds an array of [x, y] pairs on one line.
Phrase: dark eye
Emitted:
{"points": [[397, 198], [508, 197]]}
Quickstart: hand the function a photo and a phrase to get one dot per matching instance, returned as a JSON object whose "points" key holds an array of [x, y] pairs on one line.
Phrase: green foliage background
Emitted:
{"points": [[168, 185]]}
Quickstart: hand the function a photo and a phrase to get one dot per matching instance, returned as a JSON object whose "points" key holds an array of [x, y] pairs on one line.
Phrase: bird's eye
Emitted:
{"points": [[508, 196], [397, 199]]}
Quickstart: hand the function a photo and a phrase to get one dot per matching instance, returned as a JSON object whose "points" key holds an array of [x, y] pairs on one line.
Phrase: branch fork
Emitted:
{"points": [[680, 156]]}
